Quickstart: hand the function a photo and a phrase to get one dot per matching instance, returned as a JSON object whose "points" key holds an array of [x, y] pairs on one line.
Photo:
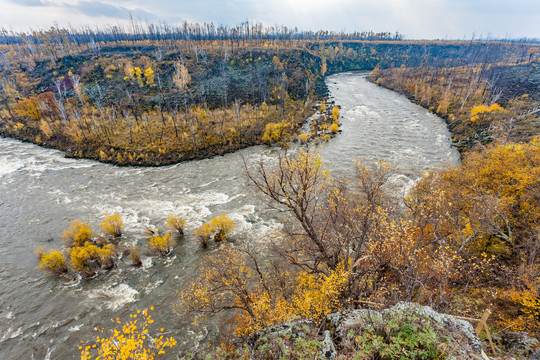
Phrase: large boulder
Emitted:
{"points": [[404, 325]]}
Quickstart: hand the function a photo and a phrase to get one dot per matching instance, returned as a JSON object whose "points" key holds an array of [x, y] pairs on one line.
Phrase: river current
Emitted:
{"points": [[41, 192]]}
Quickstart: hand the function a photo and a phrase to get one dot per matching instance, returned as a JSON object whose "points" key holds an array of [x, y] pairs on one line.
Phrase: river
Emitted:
{"points": [[42, 317]]}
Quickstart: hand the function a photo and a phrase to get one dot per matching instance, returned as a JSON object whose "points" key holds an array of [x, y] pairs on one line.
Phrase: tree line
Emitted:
{"points": [[137, 30]]}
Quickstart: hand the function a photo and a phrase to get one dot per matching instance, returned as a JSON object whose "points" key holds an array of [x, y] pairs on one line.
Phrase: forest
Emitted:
{"points": [[465, 238]]}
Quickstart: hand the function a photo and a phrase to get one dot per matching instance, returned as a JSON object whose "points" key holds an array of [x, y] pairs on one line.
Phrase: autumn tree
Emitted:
{"points": [[297, 185], [260, 294], [218, 228]]}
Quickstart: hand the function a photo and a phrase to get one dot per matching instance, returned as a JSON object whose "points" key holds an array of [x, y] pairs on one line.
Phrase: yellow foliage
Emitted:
{"points": [[335, 113], [480, 111], [88, 258], [45, 128], [323, 66], [53, 261], [275, 132], [376, 72], [109, 69], [77, 234], [176, 223], [491, 198], [112, 225], [29, 107], [528, 303], [136, 73], [218, 227], [103, 155], [228, 279], [508, 170], [277, 64], [181, 76], [200, 113], [303, 138], [334, 128], [222, 225], [204, 233], [317, 295], [149, 75], [131, 341], [161, 244], [18, 126]]}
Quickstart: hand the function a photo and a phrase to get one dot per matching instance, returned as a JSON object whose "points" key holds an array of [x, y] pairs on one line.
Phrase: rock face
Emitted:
{"points": [[460, 338], [406, 330]]}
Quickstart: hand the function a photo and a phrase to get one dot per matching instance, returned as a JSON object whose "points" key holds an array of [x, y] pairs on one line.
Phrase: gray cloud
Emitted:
{"points": [[98, 9], [415, 18], [28, 2]]}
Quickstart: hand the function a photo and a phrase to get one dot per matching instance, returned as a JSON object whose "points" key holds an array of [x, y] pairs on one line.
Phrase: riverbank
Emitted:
{"points": [[477, 109], [172, 149]]}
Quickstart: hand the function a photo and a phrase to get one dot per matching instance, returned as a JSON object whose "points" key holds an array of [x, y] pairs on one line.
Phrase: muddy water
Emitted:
{"points": [[41, 192]]}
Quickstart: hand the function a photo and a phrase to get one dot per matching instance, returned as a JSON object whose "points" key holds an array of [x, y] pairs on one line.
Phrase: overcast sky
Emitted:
{"points": [[419, 19]]}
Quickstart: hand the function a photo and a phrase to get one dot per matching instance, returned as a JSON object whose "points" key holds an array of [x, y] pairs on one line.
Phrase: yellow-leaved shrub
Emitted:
{"points": [[275, 132], [335, 113], [89, 258], [480, 112], [161, 244], [52, 261], [219, 228], [222, 226], [78, 233], [176, 223], [232, 279], [204, 233], [112, 225]]}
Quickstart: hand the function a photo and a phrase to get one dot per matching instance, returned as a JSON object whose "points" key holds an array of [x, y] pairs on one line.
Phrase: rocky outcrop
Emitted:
{"points": [[458, 338], [406, 330]]}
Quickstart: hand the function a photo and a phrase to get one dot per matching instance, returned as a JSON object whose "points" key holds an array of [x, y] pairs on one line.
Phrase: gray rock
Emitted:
{"points": [[290, 330], [465, 343], [340, 323], [455, 326], [520, 343], [329, 349]]}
